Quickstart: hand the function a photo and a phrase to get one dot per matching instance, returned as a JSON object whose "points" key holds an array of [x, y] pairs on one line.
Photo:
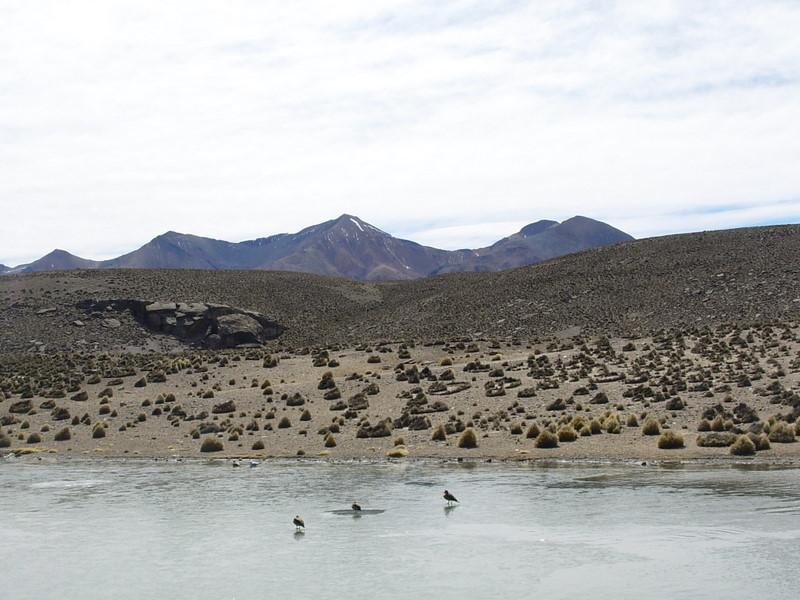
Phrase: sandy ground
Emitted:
{"points": [[686, 376]]}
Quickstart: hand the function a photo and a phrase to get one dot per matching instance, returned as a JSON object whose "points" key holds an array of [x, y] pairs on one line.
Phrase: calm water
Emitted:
{"points": [[82, 529]]}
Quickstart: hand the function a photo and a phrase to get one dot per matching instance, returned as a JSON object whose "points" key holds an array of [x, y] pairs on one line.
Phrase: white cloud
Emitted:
{"points": [[121, 120]]}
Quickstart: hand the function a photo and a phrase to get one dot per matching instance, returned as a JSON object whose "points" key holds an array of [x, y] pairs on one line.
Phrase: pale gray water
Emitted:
{"points": [[105, 529]]}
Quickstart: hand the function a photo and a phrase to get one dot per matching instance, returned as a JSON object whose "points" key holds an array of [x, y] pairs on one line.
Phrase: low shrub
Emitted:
{"points": [[760, 440], [397, 452], [546, 439], [567, 433], [468, 439], [716, 439], [63, 435], [612, 424], [258, 445], [781, 433], [211, 444], [743, 446], [670, 440], [651, 427], [533, 431], [439, 434]]}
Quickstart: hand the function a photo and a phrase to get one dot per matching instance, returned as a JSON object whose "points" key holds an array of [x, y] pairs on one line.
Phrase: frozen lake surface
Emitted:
{"points": [[147, 529]]}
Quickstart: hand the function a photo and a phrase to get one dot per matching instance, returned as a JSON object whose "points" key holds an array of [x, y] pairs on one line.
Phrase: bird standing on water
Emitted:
{"points": [[449, 497], [356, 507], [298, 523]]}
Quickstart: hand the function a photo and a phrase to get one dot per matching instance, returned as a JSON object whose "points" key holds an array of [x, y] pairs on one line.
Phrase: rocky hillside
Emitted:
{"points": [[743, 276]]}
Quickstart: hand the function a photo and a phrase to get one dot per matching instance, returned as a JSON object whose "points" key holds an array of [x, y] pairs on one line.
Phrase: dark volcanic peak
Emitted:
{"points": [[539, 241], [348, 247], [174, 250], [691, 281], [537, 228], [60, 260]]}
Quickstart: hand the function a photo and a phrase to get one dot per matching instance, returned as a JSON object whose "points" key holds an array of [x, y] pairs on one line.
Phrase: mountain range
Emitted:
{"points": [[687, 282], [346, 247]]}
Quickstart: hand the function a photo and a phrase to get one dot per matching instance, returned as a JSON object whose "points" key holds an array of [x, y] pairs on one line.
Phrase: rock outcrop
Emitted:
{"points": [[198, 323]]}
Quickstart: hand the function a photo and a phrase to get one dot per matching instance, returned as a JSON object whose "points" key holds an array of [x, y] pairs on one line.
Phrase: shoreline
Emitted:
{"points": [[543, 462]]}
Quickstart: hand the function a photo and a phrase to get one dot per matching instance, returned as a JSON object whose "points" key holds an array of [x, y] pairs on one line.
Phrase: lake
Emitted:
{"points": [[205, 529]]}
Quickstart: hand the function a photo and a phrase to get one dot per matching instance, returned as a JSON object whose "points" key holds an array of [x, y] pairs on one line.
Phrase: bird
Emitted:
{"points": [[356, 507], [449, 497], [298, 523]]}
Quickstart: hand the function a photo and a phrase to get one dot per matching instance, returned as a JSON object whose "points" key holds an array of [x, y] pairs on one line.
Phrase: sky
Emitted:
{"points": [[449, 123]]}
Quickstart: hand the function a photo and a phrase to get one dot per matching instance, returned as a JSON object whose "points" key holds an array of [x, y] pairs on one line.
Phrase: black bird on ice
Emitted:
{"points": [[356, 507], [449, 497], [298, 523]]}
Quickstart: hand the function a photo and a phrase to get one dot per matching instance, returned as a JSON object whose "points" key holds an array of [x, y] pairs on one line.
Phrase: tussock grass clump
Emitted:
{"points": [[468, 439], [670, 440], [760, 440], [98, 431], [595, 427], [546, 439], [439, 434], [34, 438], [651, 426], [743, 446], [716, 439], [533, 431], [211, 444], [5, 441], [397, 452], [781, 433], [330, 441], [63, 435], [284, 423], [516, 429], [258, 445], [704, 425], [567, 433], [612, 424]]}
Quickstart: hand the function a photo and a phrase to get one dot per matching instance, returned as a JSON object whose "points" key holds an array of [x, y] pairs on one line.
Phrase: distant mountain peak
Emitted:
{"points": [[347, 247]]}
